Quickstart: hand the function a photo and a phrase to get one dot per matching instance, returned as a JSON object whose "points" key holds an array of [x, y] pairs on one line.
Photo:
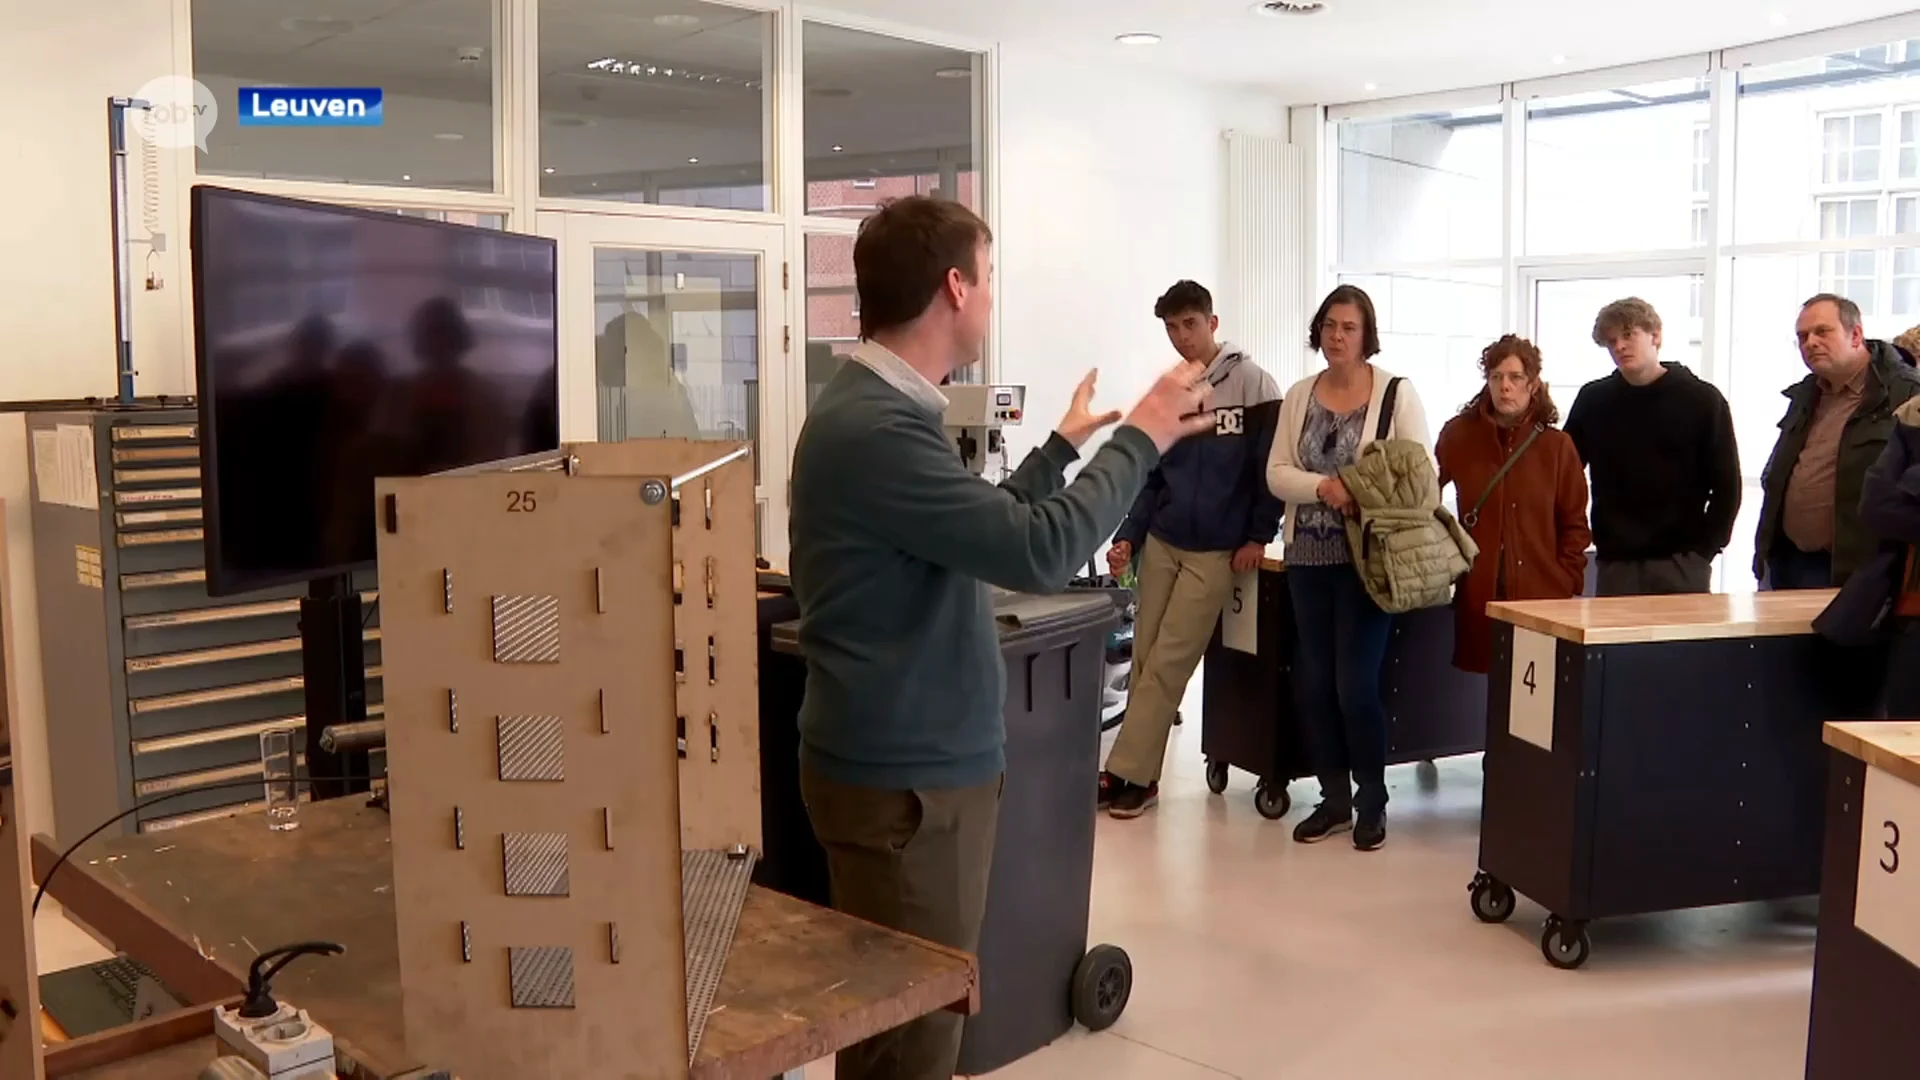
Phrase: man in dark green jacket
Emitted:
{"points": [[1838, 420], [894, 545]]}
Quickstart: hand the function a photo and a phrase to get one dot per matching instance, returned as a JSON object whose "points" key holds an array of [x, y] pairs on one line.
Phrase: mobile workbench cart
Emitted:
{"points": [[1248, 720], [1866, 960], [1657, 753]]}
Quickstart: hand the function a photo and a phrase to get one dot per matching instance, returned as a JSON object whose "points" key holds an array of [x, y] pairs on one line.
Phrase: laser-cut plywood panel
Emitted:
{"points": [[714, 623], [21, 1054], [582, 973]]}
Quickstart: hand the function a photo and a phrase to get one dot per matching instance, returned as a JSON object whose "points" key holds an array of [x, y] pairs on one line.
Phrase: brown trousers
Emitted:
{"points": [[916, 862], [1181, 594]]}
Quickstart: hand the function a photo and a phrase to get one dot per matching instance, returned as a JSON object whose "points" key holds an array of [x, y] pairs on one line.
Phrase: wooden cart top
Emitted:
{"points": [[1622, 620], [802, 981], [1891, 746]]}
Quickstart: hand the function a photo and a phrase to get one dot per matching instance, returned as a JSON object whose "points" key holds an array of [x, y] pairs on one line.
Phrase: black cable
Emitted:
{"points": [[139, 806]]}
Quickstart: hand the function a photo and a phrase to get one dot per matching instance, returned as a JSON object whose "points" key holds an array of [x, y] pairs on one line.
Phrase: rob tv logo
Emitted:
{"points": [[293, 106]]}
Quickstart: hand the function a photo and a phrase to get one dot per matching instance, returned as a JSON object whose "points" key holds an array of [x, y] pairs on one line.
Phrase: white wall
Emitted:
{"points": [[56, 283], [1112, 187]]}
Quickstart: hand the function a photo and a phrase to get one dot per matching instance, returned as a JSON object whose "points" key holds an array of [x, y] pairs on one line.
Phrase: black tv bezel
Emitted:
{"points": [[220, 579]]}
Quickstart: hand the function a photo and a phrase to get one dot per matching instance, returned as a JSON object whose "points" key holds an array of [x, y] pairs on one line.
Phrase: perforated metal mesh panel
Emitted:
{"points": [[526, 629], [532, 748], [542, 977], [536, 863], [713, 887]]}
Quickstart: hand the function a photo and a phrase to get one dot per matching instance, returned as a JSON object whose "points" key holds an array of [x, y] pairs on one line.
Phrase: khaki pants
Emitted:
{"points": [[1180, 597], [916, 862]]}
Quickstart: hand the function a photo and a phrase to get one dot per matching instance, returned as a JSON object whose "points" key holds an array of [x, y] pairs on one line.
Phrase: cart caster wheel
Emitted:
{"points": [[1216, 776], [1272, 800], [1492, 898], [1102, 983], [1565, 944]]}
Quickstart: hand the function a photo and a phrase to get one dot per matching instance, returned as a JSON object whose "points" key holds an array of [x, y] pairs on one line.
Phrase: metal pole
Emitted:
{"points": [[122, 269]]}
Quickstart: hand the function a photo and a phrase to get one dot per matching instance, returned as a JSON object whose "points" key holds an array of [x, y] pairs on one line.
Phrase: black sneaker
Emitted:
{"points": [[1132, 800], [1322, 823], [1370, 832], [1110, 786]]}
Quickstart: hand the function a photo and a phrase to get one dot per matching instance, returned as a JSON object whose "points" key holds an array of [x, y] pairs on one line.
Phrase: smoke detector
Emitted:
{"points": [[1276, 8]]}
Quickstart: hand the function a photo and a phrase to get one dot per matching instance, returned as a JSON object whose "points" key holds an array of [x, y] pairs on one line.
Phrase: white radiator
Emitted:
{"points": [[1269, 253]]}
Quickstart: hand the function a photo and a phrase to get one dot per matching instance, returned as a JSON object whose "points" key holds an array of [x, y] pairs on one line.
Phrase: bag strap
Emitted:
{"points": [[1386, 408], [1472, 516]]}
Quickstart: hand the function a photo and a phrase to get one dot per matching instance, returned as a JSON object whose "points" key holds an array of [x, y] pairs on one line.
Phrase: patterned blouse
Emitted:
{"points": [[1329, 442]]}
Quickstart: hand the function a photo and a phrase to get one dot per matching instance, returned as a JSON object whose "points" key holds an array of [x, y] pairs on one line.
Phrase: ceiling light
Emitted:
{"points": [[837, 149], [1140, 38], [1778, 18], [676, 20], [406, 176], [1277, 8], [548, 170], [1371, 87], [1559, 58], [953, 73], [693, 161]]}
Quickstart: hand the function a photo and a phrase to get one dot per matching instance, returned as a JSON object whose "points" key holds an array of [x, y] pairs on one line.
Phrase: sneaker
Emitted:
{"points": [[1371, 832], [1132, 800], [1110, 786], [1322, 823]]}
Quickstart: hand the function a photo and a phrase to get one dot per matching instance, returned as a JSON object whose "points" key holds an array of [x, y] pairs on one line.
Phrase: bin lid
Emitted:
{"points": [[1017, 616]]}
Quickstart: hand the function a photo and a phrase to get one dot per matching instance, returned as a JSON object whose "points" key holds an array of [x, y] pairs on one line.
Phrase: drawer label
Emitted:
{"points": [[1240, 620], [1887, 904], [1530, 701]]}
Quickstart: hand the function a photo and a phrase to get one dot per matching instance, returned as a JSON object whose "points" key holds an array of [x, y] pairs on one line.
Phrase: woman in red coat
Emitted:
{"points": [[1530, 520]]}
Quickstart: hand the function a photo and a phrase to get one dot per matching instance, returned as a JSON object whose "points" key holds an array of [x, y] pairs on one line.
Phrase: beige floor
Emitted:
{"points": [[1262, 959]]}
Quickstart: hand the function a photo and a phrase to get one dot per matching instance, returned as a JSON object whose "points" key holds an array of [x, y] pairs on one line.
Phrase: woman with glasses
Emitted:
{"points": [[1340, 633], [1522, 494]]}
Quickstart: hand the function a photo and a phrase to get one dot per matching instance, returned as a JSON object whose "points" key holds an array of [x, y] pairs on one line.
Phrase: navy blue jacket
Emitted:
{"points": [[1210, 492]]}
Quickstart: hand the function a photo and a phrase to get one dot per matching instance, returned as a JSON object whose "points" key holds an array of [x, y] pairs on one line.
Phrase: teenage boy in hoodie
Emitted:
{"points": [[1658, 443], [1205, 515]]}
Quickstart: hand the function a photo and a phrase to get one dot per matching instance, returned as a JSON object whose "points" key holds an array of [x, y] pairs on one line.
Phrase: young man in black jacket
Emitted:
{"points": [[1659, 445], [1204, 516], [1838, 419]]}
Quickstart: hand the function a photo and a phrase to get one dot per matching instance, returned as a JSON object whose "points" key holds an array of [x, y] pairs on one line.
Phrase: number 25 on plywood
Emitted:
{"points": [[1887, 904]]}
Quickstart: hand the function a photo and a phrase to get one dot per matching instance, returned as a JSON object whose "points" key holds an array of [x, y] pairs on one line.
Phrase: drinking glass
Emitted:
{"points": [[276, 771]]}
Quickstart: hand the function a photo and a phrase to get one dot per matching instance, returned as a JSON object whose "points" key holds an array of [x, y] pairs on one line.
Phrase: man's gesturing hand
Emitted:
{"points": [[1080, 422], [1171, 410]]}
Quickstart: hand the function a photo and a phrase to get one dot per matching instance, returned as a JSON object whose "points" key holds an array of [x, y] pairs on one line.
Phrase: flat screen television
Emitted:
{"points": [[338, 345]]}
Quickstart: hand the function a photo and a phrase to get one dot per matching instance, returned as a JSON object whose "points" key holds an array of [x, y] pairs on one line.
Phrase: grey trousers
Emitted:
{"points": [[1683, 573]]}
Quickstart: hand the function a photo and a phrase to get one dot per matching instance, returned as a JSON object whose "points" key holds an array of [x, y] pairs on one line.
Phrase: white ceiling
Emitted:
{"points": [[1399, 46]]}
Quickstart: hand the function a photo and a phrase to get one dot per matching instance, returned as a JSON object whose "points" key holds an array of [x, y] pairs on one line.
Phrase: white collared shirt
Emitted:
{"points": [[901, 376]]}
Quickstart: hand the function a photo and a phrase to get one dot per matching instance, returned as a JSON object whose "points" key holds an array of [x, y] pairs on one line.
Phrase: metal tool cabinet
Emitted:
{"points": [[152, 686]]}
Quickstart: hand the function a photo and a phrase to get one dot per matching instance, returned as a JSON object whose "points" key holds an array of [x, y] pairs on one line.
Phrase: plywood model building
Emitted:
{"points": [[544, 633], [21, 1054]]}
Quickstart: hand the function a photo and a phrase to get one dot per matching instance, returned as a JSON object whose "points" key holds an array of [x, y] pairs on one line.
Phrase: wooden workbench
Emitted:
{"points": [[1866, 966], [1691, 719], [801, 982]]}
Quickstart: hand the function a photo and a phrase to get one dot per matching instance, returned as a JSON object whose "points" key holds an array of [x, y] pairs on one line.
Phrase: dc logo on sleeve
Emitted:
{"points": [[1230, 421]]}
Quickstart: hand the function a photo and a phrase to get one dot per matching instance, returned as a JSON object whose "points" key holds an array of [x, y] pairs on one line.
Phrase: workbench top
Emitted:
{"points": [[801, 982], [1623, 620], [1891, 746]]}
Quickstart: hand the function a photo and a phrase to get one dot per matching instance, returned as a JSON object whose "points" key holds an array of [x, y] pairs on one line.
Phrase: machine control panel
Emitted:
{"points": [[971, 405]]}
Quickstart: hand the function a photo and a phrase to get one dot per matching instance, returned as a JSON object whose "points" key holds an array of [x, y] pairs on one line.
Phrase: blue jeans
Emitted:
{"points": [[1340, 644]]}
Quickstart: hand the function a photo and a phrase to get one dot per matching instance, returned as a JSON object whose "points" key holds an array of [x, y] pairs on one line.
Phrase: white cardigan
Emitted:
{"points": [[1295, 485]]}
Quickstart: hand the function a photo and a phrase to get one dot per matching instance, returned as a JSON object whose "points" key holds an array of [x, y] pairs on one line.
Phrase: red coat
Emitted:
{"points": [[1532, 530]]}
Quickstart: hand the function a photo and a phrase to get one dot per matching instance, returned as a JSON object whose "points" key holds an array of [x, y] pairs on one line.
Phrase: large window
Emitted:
{"points": [[1420, 189], [1618, 170]]}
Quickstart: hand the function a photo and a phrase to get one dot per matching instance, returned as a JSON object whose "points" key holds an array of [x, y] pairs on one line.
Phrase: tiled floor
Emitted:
{"points": [[1258, 958]]}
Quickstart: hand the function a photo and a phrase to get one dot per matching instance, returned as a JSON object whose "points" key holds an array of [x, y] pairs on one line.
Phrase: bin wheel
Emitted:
{"points": [[1272, 800], [1216, 776], [1102, 983], [1493, 899], [1565, 944]]}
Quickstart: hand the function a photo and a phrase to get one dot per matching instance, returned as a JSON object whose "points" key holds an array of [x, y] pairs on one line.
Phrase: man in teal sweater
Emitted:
{"points": [[894, 545]]}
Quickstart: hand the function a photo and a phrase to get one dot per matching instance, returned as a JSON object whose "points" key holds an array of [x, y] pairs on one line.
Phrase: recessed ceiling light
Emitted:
{"points": [[1370, 87], [448, 136], [837, 149], [548, 170], [953, 73], [676, 20], [1139, 38], [406, 176], [693, 161], [1289, 7]]}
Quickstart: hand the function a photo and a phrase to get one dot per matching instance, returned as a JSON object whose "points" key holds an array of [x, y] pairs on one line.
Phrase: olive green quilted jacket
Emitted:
{"points": [[1408, 548]]}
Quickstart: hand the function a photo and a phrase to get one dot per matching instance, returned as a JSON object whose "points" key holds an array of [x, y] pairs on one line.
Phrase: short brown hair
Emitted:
{"points": [[1909, 343], [1530, 362], [1624, 317], [1369, 323], [1849, 311], [904, 253], [1185, 296]]}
